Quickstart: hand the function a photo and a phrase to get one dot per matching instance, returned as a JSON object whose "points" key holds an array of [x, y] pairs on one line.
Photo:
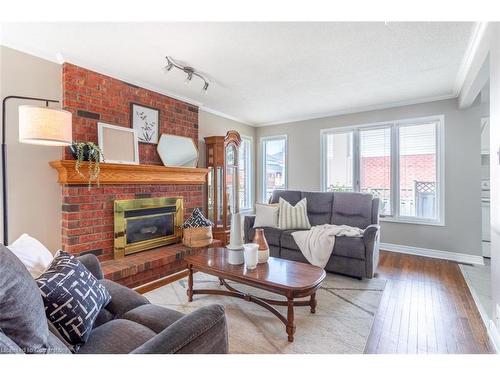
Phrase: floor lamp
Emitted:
{"points": [[39, 126]]}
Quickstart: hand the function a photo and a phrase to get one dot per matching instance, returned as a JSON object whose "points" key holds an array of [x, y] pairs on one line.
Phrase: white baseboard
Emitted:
{"points": [[431, 253]]}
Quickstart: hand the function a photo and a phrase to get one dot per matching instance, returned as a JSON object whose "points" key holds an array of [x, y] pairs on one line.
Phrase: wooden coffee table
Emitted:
{"points": [[280, 276]]}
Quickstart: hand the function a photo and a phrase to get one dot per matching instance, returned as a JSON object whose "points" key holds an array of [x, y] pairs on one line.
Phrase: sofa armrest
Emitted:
{"points": [[91, 262], [123, 299], [371, 239], [248, 230], [203, 331]]}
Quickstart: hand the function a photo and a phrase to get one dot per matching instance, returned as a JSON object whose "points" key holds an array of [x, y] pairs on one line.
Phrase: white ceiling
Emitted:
{"points": [[266, 73]]}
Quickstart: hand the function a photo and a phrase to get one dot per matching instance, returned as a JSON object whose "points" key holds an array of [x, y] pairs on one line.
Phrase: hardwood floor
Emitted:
{"points": [[426, 308]]}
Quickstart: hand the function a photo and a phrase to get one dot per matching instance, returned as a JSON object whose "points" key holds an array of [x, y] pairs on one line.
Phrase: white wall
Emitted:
{"points": [[495, 167], [210, 124], [34, 196], [462, 230]]}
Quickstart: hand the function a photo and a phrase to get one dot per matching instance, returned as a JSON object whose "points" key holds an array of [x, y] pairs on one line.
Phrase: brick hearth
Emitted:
{"points": [[147, 266], [87, 215]]}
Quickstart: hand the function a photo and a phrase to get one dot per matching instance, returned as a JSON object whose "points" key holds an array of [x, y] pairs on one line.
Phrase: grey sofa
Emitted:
{"points": [[352, 256], [128, 324]]}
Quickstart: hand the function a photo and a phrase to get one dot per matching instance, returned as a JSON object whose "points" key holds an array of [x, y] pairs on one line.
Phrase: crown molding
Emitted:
{"points": [[476, 37], [225, 115], [60, 59], [362, 109], [154, 88]]}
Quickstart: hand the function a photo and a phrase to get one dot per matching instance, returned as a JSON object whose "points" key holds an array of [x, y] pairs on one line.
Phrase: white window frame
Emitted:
{"points": [[395, 193], [250, 173], [263, 140]]}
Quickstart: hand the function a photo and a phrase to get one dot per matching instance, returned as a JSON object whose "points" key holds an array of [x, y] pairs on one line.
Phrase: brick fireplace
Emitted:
{"points": [[87, 215]]}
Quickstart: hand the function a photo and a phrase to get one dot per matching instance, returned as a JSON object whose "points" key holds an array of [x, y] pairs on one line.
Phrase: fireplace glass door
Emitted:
{"points": [[146, 223]]}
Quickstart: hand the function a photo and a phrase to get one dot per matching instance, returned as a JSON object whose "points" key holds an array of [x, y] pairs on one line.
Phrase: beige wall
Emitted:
{"points": [[210, 124], [462, 232], [33, 195]]}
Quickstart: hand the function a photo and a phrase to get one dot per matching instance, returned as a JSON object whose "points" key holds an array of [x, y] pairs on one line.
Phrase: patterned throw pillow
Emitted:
{"points": [[72, 297], [196, 220], [293, 217]]}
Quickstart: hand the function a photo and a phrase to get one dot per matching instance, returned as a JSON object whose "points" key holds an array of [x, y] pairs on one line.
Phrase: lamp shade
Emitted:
{"points": [[44, 126]]}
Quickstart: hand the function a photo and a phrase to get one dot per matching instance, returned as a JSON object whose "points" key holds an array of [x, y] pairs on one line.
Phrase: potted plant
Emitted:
{"points": [[88, 152]]}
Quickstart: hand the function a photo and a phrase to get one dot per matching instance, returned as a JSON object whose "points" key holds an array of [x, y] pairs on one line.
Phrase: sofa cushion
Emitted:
{"points": [[350, 247], [273, 235], [104, 316], [154, 317], [266, 215], [352, 209], [119, 336], [291, 196], [287, 241], [7, 346], [293, 217], [57, 345], [72, 297], [319, 207], [22, 317], [32, 253], [123, 299]]}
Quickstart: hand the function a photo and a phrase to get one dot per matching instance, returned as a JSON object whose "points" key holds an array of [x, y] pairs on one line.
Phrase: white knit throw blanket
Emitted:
{"points": [[317, 243]]}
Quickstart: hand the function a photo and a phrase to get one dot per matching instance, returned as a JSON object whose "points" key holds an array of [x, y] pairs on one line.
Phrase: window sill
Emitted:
{"points": [[389, 219]]}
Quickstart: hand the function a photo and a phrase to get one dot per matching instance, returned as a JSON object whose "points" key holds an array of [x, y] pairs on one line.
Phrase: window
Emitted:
{"points": [[245, 173], [339, 168], [399, 162], [274, 157], [375, 165], [418, 171]]}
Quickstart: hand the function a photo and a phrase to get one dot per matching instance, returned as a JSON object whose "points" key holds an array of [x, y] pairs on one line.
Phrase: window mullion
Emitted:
{"points": [[356, 156], [395, 193]]}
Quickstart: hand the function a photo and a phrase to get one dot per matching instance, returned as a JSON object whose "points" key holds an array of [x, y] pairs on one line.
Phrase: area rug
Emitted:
{"points": [[342, 323]]}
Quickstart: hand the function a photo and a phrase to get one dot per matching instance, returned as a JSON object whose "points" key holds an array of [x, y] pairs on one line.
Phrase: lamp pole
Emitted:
{"points": [[4, 162]]}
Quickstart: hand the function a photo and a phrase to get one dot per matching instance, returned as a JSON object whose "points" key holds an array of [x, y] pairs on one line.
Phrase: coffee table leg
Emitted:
{"points": [[190, 284], [313, 303], [290, 326]]}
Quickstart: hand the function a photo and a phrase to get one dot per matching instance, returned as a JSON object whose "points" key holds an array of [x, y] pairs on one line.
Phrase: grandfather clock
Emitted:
{"points": [[222, 182]]}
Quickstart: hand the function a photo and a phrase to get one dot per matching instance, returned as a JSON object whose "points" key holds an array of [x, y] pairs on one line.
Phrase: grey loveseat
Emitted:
{"points": [[128, 324], [352, 256]]}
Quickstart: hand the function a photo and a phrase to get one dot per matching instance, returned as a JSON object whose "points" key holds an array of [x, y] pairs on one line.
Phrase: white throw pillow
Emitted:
{"points": [[293, 217], [32, 254], [266, 215]]}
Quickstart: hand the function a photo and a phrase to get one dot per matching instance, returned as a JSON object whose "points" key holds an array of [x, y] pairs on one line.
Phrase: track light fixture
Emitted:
{"points": [[190, 72]]}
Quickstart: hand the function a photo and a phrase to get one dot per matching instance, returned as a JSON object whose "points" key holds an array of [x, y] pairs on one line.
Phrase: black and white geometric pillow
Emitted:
{"points": [[196, 220], [72, 297]]}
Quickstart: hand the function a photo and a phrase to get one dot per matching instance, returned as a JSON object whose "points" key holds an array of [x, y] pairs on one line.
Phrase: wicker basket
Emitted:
{"points": [[197, 237]]}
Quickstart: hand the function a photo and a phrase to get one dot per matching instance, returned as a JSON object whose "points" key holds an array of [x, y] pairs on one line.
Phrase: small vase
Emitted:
{"points": [[260, 239], [251, 251]]}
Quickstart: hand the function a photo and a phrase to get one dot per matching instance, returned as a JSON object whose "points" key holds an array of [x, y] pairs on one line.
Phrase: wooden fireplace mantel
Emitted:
{"points": [[113, 174]]}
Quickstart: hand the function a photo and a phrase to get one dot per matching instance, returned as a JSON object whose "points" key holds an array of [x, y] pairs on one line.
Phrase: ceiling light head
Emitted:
{"points": [[205, 88]]}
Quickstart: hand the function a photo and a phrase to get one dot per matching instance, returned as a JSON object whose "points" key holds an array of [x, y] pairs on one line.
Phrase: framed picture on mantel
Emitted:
{"points": [[118, 144], [145, 120]]}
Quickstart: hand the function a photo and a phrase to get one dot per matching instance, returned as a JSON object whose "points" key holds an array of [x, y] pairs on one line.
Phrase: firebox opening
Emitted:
{"points": [[146, 223], [147, 228]]}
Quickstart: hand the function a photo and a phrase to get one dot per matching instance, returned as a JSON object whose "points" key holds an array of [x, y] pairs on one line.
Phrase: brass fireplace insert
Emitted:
{"points": [[146, 223]]}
